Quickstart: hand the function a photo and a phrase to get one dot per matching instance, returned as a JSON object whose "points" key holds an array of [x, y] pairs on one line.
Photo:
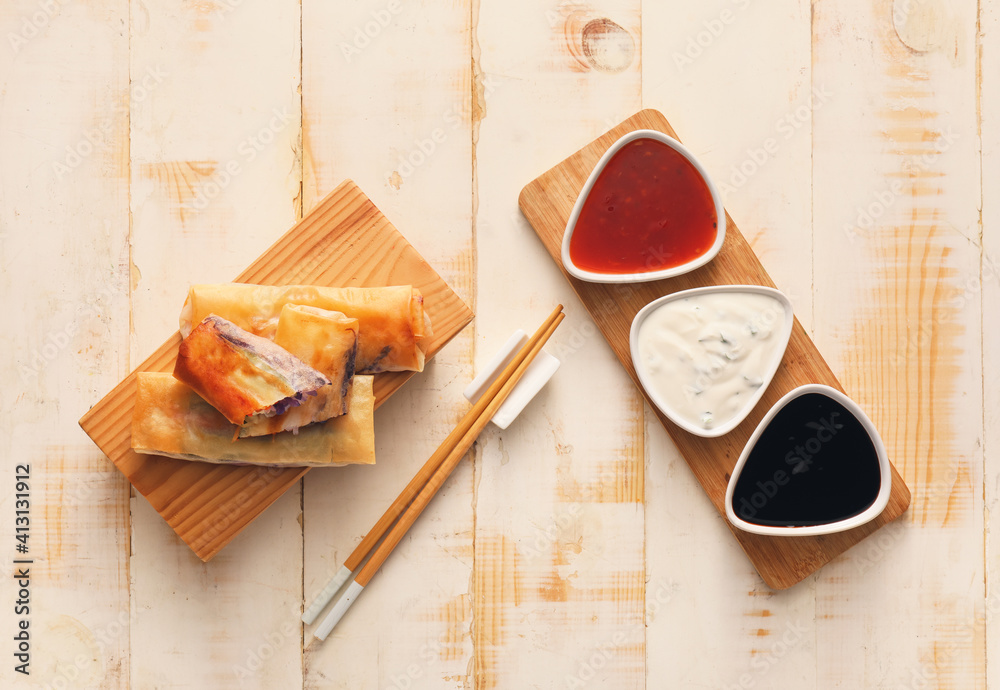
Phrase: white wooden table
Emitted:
{"points": [[148, 145]]}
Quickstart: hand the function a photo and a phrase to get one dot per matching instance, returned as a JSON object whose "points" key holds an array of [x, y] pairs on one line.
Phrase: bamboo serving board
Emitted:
{"points": [[547, 202], [344, 241]]}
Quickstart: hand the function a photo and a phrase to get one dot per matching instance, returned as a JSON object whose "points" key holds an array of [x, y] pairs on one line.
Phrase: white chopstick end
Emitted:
{"points": [[325, 595], [338, 610]]}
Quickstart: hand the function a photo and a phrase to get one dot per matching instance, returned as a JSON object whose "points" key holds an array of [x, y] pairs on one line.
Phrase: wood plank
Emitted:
{"points": [[695, 70], [896, 194], [386, 92], [989, 282], [547, 202], [215, 179], [64, 277], [559, 592]]}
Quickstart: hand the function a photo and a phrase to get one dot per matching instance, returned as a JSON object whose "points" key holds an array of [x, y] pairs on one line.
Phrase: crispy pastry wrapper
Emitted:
{"points": [[328, 342], [392, 320], [243, 375], [171, 419]]}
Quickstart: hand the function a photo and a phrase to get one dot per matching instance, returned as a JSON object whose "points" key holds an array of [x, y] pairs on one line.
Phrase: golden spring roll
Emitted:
{"points": [[171, 419], [328, 342], [243, 375], [392, 321]]}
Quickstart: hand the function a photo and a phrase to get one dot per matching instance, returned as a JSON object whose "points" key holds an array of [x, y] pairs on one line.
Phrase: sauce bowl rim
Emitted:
{"points": [[784, 334], [643, 276], [869, 514]]}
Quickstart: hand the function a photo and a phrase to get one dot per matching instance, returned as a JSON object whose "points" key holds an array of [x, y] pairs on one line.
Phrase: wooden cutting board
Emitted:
{"points": [[547, 202], [344, 241]]}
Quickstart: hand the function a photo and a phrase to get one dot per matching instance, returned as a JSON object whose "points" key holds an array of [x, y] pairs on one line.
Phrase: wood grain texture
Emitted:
{"points": [[558, 590], [64, 111], [695, 570], [896, 202], [547, 202], [344, 241], [576, 548], [215, 179], [410, 148], [989, 279]]}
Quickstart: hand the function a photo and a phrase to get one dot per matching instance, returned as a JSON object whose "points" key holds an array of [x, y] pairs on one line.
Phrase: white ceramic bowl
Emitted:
{"points": [[644, 276], [873, 511], [782, 334]]}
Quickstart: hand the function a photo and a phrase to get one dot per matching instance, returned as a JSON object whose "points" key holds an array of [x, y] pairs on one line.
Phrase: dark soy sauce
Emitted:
{"points": [[814, 464]]}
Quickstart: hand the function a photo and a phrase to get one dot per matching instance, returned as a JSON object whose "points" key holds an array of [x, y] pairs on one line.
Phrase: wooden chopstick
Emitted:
{"points": [[432, 476], [451, 461], [419, 480]]}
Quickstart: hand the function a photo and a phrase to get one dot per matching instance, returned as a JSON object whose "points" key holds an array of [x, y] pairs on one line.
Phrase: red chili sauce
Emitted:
{"points": [[648, 210]]}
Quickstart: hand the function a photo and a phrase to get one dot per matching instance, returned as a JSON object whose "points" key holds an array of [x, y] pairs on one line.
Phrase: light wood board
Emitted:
{"points": [[547, 202], [344, 241]]}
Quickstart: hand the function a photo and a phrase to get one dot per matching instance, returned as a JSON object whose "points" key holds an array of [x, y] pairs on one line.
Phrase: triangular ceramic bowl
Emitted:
{"points": [[873, 510], [643, 276], [782, 333]]}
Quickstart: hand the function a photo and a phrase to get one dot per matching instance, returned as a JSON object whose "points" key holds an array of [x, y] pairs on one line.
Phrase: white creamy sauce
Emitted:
{"points": [[706, 356]]}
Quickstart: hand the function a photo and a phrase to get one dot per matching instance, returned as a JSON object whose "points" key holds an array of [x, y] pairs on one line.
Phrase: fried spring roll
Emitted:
{"points": [[328, 342], [243, 375], [171, 419], [392, 320]]}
